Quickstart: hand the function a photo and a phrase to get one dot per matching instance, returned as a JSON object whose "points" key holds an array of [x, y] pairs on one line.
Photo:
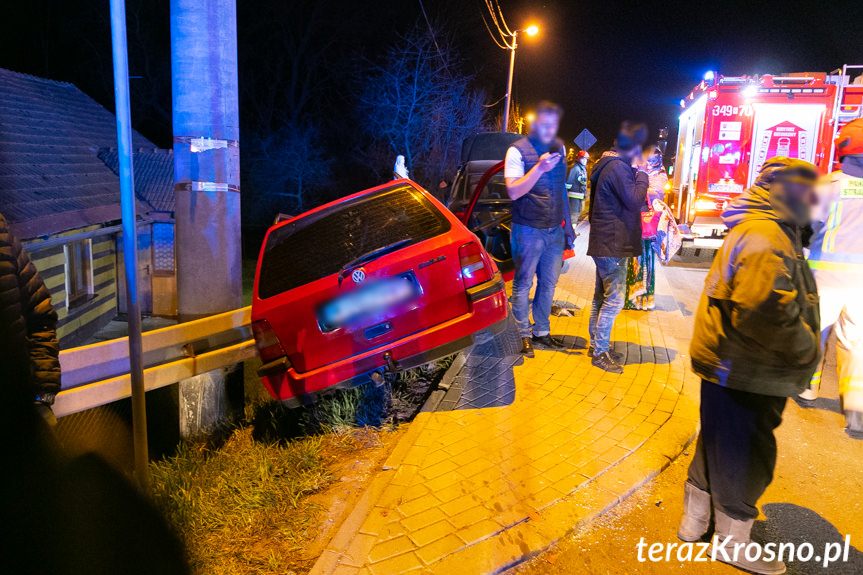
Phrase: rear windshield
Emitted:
{"points": [[320, 244], [495, 189]]}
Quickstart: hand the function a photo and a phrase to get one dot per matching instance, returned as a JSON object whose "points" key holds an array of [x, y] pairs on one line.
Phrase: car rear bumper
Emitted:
{"points": [[706, 232], [488, 310]]}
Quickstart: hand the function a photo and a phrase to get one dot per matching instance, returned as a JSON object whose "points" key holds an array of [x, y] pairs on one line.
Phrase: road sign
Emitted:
{"points": [[585, 140]]}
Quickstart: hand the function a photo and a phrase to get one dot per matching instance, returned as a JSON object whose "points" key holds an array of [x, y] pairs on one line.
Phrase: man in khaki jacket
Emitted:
{"points": [[756, 343]]}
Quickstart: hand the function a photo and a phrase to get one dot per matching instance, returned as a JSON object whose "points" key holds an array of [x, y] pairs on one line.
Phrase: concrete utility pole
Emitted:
{"points": [[511, 46], [206, 186], [506, 106]]}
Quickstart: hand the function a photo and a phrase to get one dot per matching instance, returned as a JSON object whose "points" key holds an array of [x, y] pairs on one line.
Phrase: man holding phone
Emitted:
{"points": [[535, 174]]}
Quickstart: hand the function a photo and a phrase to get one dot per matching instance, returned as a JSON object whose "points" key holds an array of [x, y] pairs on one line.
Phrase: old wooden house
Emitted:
{"points": [[60, 191]]}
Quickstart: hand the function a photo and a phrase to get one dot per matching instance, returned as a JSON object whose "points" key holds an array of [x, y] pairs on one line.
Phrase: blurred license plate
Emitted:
{"points": [[729, 189], [375, 298]]}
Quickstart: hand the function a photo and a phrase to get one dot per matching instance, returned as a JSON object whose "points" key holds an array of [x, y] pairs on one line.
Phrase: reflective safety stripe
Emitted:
{"points": [[839, 257], [832, 226], [827, 260], [816, 378], [850, 384], [833, 266]]}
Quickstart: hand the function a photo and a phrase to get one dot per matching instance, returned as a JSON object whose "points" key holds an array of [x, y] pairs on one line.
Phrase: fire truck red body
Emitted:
{"points": [[730, 125]]}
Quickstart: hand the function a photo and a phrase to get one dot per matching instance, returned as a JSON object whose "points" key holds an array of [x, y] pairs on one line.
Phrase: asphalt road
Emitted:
{"points": [[816, 495]]}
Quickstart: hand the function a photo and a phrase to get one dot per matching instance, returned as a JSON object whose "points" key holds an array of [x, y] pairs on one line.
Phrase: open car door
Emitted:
{"points": [[489, 216]]}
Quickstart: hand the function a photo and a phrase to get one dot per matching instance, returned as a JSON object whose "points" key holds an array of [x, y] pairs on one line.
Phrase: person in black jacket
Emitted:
{"points": [[28, 338], [617, 192], [61, 515]]}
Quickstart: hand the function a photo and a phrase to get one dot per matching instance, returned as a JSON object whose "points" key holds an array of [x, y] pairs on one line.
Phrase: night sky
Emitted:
{"points": [[604, 61]]}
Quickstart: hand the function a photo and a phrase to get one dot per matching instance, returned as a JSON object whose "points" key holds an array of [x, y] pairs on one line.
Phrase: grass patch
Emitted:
{"points": [[242, 507], [367, 405], [346, 409], [244, 504]]}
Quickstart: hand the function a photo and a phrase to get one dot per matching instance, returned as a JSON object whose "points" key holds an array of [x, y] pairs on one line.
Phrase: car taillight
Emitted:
{"points": [[269, 346], [473, 268]]}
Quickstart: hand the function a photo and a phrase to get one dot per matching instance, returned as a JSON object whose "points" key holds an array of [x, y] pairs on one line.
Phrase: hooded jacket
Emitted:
{"points": [[617, 193], [28, 339], [757, 326]]}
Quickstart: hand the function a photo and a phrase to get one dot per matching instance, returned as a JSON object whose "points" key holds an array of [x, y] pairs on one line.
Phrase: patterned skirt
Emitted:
{"points": [[641, 279]]}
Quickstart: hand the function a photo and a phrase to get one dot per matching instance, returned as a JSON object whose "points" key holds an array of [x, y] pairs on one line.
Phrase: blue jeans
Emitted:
{"points": [[535, 253], [608, 300]]}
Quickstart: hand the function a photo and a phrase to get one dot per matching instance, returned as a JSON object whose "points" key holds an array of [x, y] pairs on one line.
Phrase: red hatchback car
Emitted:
{"points": [[386, 279]]}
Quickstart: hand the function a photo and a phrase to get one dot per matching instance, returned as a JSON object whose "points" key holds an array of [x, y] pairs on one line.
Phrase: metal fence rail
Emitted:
{"points": [[98, 374]]}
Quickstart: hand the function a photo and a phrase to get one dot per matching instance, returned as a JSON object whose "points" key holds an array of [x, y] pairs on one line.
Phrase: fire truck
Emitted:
{"points": [[729, 126]]}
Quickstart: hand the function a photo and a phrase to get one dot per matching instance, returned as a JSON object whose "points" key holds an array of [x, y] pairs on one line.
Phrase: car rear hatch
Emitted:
{"points": [[360, 274]]}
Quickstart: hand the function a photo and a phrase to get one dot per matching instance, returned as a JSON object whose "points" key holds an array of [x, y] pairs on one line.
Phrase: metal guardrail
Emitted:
{"points": [[98, 374]]}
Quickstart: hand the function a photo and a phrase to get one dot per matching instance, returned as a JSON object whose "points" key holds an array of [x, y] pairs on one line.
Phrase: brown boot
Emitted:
{"points": [[527, 347], [696, 513], [730, 544]]}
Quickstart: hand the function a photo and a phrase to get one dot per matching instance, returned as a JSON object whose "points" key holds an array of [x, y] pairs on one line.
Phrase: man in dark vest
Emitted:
{"points": [[535, 180]]}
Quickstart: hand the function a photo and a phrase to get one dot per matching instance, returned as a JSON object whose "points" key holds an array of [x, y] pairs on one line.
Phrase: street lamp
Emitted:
{"points": [[532, 30]]}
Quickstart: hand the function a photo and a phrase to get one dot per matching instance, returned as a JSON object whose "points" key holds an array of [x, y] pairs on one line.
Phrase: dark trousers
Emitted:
{"points": [[736, 451], [575, 208]]}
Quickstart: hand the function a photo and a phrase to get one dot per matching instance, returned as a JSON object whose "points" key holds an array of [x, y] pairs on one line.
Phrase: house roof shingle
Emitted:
{"points": [[51, 176], [154, 176]]}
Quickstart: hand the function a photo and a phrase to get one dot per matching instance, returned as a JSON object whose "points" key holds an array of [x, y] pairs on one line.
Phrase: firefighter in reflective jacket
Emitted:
{"points": [[836, 259], [576, 185]]}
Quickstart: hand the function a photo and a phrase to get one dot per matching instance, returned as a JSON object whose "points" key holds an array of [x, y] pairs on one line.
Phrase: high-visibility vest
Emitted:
{"points": [[836, 251]]}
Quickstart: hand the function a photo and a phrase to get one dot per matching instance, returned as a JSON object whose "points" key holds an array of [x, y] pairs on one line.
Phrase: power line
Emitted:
{"points": [[434, 39], [502, 19], [506, 38], [495, 103], [490, 33], [493, 13]]}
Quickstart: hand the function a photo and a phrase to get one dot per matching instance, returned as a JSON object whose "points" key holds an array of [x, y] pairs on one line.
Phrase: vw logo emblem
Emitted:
{"points": [[358, 275]]}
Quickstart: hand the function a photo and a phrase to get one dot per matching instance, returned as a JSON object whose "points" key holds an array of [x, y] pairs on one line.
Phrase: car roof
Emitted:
{"points": [[487, 146]]}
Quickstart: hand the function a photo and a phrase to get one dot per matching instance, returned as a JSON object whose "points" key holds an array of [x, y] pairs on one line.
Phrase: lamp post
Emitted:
{"points": [[531, 31], [130, 241]]}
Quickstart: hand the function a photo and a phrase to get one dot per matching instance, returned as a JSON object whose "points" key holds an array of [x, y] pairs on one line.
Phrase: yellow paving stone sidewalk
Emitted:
{"points": [[478, 490]]}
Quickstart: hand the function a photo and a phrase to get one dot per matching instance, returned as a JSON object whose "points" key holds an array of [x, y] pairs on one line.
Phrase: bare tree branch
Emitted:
{"points": [[418, 101]]}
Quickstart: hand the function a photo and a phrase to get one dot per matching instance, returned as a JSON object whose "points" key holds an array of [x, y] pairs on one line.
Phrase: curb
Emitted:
{"points": [[445, 385]]}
